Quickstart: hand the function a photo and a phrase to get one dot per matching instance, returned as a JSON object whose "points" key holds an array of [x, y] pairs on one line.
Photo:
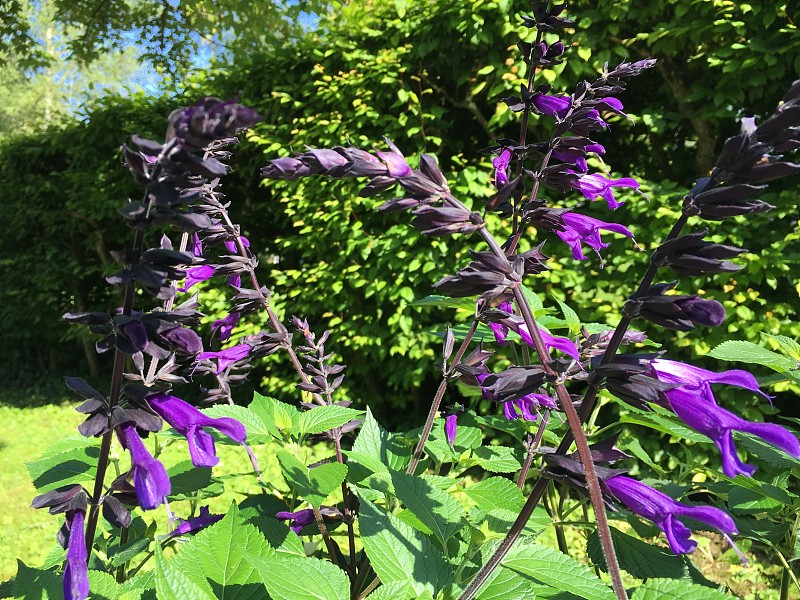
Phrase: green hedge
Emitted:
{"points": [[428, 75]]}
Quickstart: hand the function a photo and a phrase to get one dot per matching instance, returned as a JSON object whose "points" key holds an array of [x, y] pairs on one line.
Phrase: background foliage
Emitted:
{"points": [[429, 75]]}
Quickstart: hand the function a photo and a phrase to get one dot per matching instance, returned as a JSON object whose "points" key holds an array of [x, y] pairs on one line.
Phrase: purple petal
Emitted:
{"points": [[450, 423], [197, 523], [559, 343], [150, 479], [500, 333], [500, 165], [201, 448], [233, 247], [552, 105], [395, 161], [197, 245], [226, 325], [76, 573], [226, 357], [509, 411], [197, 275], [298, 519]]}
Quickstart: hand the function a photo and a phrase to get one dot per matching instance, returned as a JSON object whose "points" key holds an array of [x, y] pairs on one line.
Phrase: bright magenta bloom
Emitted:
{"points": [[581, 229], [596, 186]]}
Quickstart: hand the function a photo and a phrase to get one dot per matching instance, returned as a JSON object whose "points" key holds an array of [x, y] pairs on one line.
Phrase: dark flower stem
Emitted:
{"points": [[113, 399], [587, 405], [333, 552], [533, 446], [419, 450], [273, 318], [348, 514], [523, 136], [575, 427]]}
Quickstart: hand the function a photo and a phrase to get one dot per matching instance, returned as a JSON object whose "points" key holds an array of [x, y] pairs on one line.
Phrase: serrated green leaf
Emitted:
{"points": [[324, 418], [766, 453], [632, 445], [496, 493], [120, 556], [671, 589], [258, 431], [186, 479], [750, 501], [313, 485], [665, 424], [788, 346], [142, 585], [396, 590], [295, 578], [496, 459], [437, 510], [643, 560], [533, 301], [175, 583], [219, 553], [571, 317], [71, 460], [280, 536], [398, 552], [37, 584], [389, 449], [264, 408], [556, 570], [103, 586], [446, 302], [750, 353], [505, 584]]}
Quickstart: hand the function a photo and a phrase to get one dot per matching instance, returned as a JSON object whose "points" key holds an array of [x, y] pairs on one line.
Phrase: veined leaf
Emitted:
{"points": [[672, 589], [323, 418], [748, 352], [295, 578], [313, 485], [398, 552], [437, 510]]}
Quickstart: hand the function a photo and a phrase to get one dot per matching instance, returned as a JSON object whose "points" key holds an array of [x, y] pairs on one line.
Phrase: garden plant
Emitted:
{"points": [[458, 507]]}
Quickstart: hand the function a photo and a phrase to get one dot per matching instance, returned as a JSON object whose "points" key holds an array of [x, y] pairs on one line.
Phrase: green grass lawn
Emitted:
{"points": [[25, 533]]}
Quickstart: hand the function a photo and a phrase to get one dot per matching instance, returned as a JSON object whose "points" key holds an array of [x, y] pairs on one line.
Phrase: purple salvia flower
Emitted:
{"points": [[579, 160], [527, 405], [581, 229], [203, 520], [695, 382], [235, 280], [662, 510], [226, 357], [233, 247], [718, 424], [519, 326], [298, 519], [450, 425], [596, 186], [197, 245], [189, 422], [500, 330], [197, 275], [500, 165], [226, 325], [76, 573], [150, 479], [394, 161], [552, 105]]}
